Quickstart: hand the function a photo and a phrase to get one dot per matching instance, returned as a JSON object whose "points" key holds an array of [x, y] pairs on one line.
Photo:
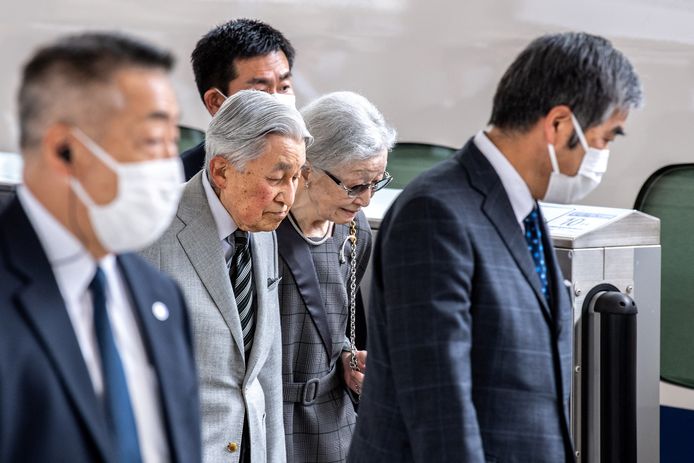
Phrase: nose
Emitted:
{"points": [[364, 198], [171, 144], [287, 193], [171, 150]]}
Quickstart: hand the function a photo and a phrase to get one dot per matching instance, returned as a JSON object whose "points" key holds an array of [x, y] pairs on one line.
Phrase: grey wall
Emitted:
{"points": [[431, 66]]}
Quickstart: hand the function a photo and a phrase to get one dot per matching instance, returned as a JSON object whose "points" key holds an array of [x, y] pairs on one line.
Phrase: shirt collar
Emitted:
{"points": [[73, 266], [222, 219], [517, 190]]}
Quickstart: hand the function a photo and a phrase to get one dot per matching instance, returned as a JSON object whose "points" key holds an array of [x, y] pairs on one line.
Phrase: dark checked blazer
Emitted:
{"points": [[314, 314], [193, 160], [467, 360], [48, 408]]}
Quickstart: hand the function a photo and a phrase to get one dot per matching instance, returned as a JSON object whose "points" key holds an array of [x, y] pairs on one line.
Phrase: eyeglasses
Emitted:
{"points": [[357, 190]]}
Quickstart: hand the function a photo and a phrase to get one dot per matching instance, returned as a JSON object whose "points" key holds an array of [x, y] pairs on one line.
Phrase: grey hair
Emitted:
{"points": [[239, 130], [347, 127], [72, 80], [582, 71]]}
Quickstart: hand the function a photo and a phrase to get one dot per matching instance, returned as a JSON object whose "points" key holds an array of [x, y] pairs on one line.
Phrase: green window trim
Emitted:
{"points": [[669, 195]]}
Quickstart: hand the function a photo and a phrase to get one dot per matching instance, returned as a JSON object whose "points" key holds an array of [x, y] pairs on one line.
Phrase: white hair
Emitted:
{"points": [[239, 130], [346, 128]]}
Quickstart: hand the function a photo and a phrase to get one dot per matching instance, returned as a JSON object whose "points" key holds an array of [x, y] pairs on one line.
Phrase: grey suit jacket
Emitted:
{"points": [[467, 360], [191, 252]]}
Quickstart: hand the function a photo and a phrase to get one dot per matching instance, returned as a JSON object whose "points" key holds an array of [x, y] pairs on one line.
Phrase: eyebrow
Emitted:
{"points": [[266, 81], [161, 116], [282, 166], [258, 80]]}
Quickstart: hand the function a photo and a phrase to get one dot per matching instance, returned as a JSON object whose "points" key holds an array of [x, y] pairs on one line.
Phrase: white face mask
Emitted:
{"points": [[284, 98], [145, 203], [566, 189]]}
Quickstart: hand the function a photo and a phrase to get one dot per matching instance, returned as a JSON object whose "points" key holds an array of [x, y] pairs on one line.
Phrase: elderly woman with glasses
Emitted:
{"points": [[324, 246]]}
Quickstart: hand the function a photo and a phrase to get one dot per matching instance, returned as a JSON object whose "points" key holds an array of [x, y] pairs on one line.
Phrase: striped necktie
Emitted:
{"points": [[116, 400], [533, 237], [241, 275]]}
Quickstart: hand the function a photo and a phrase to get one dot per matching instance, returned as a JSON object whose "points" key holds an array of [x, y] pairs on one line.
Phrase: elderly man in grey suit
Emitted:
{"points": [[255, 149], [470, 322]]}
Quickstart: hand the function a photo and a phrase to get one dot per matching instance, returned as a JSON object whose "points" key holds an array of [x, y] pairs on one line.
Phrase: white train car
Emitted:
{"points": [[432, 68]]}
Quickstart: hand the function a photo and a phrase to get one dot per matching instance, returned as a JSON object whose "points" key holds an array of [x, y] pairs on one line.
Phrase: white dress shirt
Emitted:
{"points": [[74, 268], [517, 190], [225, 224]]}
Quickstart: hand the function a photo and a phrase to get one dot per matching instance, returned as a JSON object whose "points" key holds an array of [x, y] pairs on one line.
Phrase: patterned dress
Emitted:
{"points": [[319, 418]]}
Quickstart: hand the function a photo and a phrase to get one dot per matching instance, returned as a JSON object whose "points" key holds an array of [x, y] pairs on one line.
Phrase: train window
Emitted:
{"points": [[407, 160], [189, 138], [10, 175], [667, 194]]}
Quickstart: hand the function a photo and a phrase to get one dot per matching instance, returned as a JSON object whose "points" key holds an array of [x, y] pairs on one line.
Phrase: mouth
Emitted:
{"points": [[281, 214]]}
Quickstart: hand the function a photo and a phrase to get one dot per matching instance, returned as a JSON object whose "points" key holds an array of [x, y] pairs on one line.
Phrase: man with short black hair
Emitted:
{"points": [[95, 350], [238, 55], [470, 321]]}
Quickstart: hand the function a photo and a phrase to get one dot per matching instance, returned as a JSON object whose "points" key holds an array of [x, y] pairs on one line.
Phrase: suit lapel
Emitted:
{"points": [[300, 263], [204, 250], [561, 300], [497, 208], [44, 308], [264, 331], [154, 342]]}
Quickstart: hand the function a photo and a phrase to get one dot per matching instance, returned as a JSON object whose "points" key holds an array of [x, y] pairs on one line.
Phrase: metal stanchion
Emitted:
{"points": [[617, 370], [617, 376]]}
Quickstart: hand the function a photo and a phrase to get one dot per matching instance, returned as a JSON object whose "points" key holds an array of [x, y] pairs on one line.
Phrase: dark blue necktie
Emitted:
{"points": [[241, 274], [533, 236], [119, 412]]}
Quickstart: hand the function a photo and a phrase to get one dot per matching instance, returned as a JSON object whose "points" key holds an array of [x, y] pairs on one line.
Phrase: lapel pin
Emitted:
{"points": [[160, 311]]}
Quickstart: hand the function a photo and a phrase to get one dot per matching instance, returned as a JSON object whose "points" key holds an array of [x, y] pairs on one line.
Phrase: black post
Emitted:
{"points": [[617, 377]]}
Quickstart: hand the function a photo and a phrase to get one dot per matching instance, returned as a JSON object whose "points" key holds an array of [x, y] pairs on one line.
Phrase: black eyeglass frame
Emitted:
{"points": [[356, 190]]}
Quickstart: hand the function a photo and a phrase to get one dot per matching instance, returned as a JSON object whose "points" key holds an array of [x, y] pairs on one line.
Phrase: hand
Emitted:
{"points": [[354, 378]]}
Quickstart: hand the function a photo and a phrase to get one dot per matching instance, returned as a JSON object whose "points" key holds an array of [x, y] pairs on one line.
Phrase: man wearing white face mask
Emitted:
{"points": [[95, 350], [567, 189], [242, 54], [470, 326], [147, 193]]}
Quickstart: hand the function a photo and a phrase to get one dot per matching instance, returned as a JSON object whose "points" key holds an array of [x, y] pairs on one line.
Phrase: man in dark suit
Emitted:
{"points": [[239, 55], [95, 350], [470, 326]]}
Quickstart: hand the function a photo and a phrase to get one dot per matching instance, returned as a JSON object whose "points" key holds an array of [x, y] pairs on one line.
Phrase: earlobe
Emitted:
{"points": [[218, 166], [65, 153], [555, 123], [306, 171], [56, 149], [213, 100]]}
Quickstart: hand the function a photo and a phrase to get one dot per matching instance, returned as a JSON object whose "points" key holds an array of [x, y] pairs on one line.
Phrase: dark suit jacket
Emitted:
{"points": [[48, 408], [467, 361], [193, 160]]}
